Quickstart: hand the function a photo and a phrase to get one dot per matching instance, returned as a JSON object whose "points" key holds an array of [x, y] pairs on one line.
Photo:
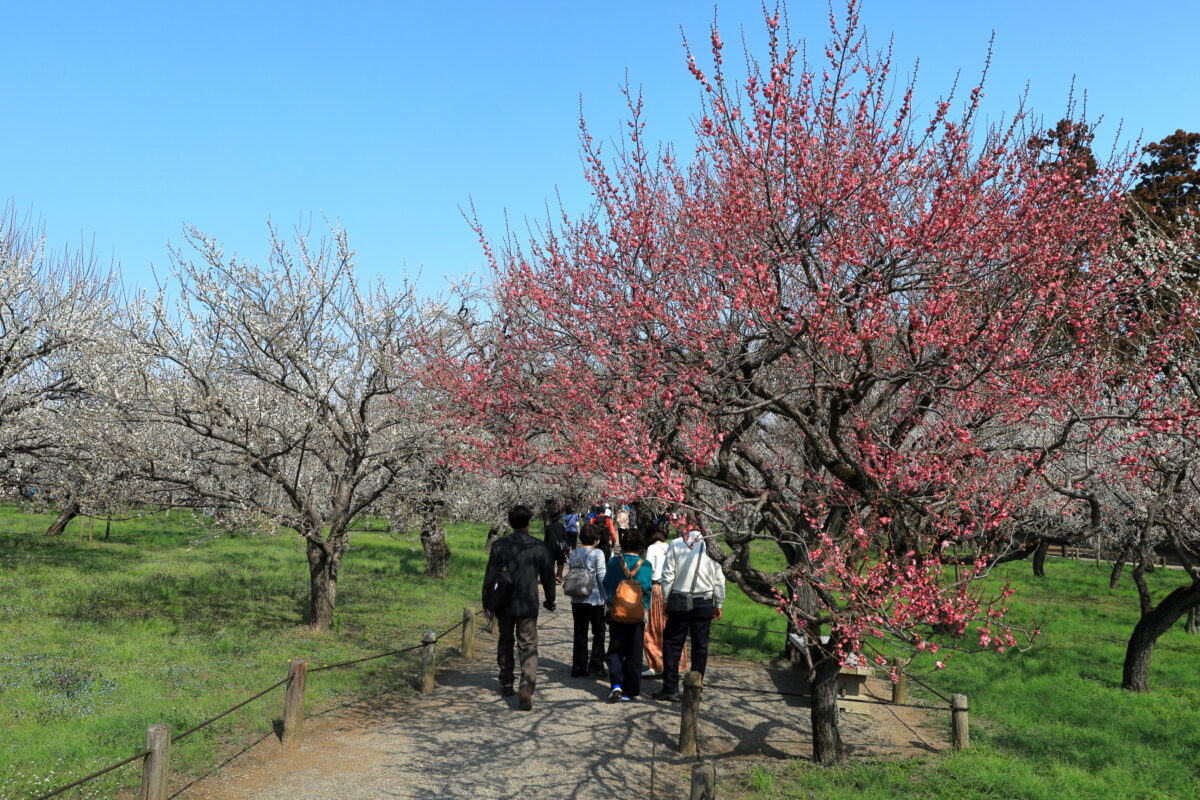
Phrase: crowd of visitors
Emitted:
{"points": [[638, 597]]}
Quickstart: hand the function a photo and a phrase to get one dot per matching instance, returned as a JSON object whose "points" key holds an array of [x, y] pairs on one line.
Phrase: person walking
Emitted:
{"points": [[625, 637], [559, 545], [587, 612], [694, 586], [655, 533], [517, 563]]}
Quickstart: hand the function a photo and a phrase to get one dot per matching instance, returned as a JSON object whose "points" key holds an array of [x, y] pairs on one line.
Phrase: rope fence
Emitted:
{"points": [[155, 769]]}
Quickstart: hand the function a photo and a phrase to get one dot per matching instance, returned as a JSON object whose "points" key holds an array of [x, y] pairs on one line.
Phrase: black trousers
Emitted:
{"points": [[588, 619], [697, 623], [625, 656]]}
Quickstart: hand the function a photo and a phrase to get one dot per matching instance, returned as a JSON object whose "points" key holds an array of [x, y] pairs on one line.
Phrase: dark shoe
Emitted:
{"points": [[669, 697], [615, 694], [525, 699], [579, 673], [506, 689]]}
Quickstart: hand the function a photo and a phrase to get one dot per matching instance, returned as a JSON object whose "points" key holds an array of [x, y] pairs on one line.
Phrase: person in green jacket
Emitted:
{"points": [[625, 638]]}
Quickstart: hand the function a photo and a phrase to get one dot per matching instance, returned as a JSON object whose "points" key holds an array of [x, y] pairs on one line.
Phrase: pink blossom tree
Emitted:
{"points": [[847, 331]]}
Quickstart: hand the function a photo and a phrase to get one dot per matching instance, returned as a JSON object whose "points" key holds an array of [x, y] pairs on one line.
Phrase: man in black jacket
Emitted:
{"points": [[528, 562]]}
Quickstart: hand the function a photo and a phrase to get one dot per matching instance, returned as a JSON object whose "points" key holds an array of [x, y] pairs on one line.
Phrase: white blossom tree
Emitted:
{"points": [[284, 388]]}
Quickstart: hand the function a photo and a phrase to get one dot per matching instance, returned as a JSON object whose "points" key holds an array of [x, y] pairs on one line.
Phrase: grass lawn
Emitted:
{"points": [[165, 624], [1050, 723]]}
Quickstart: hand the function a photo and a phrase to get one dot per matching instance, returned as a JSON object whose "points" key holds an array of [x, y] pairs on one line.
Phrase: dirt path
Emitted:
{"points": [[466, 741]]}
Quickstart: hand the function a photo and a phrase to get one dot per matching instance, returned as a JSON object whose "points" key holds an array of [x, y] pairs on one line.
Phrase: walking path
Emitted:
{"points": [[466, 741]]}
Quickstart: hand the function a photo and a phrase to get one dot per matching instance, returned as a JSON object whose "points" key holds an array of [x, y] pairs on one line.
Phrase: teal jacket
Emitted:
{"points": [[615, 574]]}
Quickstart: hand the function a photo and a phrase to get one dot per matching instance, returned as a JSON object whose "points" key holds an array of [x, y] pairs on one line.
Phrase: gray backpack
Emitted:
{"points": [[579, 580]]}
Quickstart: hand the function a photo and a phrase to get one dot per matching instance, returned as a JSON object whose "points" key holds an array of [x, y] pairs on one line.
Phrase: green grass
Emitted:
{"points": [[165, 623], [1049, 723]]}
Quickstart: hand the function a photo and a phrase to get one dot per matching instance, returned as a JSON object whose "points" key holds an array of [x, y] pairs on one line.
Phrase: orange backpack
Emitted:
{"points": [[626, 602]]}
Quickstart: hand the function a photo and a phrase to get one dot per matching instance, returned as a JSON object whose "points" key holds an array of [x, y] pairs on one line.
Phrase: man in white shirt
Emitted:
{"points": [[698, 584]]}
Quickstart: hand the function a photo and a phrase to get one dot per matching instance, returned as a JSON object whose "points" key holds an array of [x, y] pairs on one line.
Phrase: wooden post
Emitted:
{"points": [[689, 717], [293, 704], [157, 766], [900, 687], [704, 781], [468, 640], [961, 734], [428, 666]]}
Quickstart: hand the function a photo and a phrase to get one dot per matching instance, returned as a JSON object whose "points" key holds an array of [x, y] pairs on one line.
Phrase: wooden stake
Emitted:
{"points": [[293, 704], [900, 687], [961, 737], [689, 717], [468, 636], [428, 665], [157, 767], [704, 781]]}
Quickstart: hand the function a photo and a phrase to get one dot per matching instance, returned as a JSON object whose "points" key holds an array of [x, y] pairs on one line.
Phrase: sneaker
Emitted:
{"points": [[525, 699], [669, 697], [626, 698], [615, 695], [506, 690], [649, 673]]}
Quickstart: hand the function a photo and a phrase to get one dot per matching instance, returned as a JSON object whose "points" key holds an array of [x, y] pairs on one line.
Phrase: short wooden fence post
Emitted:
{"points": [[157, 766], [428, 664], [468, 639], [689, 717], [961, 738], [704, 781], [293, 704], [900, 687]]}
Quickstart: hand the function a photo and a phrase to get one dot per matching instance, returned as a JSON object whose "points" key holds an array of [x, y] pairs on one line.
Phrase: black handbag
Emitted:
{"points": [[679, 603]]}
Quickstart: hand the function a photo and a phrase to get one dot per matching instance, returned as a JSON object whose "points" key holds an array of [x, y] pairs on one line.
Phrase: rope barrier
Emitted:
{"points": [[366, 658], [779, 693], [930, 688], [230, 710], [208, 722], [744, 628], [93, 776]]}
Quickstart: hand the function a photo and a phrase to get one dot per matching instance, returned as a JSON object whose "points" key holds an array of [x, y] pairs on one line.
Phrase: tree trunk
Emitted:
{"points": [[324, 559], [827, 741], [69, 512], [1192, 625], [1154, 623], [1123, 555], [437, 549], [1039, 558]]}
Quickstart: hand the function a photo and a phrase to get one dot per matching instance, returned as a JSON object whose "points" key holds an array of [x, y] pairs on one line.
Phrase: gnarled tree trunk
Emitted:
{"points": [[827, 740], [1154, 623], [433, 535], [69, 512], [437, 549], [324, 560], [1192, 626], [1039, 558], [1119, 564]]}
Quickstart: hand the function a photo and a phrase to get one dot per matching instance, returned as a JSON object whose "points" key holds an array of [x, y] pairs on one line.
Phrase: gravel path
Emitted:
{"points": [[466, 741]]}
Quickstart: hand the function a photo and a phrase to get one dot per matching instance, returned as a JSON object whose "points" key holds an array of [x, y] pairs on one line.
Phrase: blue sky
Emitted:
{"points": [[125, 120]]}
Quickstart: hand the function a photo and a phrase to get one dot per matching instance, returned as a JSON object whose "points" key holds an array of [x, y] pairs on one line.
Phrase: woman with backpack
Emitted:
{"points": [[584, 584], [627, 585]]}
